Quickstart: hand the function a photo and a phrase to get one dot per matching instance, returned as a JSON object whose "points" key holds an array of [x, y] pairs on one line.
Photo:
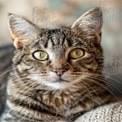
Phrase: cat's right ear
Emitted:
{"points": [[21, 30], [89, 24]]}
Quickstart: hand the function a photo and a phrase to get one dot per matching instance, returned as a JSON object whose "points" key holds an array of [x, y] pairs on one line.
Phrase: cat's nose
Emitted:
{"points": [[59, 72]]}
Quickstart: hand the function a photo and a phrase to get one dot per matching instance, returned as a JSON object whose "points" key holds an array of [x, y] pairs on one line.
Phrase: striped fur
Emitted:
{"points": [[35, 92]]}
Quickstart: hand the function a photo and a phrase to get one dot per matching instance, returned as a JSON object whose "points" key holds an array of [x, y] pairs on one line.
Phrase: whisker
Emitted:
{"points": [[7, 71], [3, 84], [93, 90], [111, 84], [105, 87], [114, 79], [89, 92], [26, 87]]}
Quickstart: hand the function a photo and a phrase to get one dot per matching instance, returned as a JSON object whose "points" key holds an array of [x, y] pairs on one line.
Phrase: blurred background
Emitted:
{"points": [[50, 13]]}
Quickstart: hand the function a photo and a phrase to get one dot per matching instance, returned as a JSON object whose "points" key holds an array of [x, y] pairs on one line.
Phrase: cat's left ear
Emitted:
{"points": [[22, 30], [89, 24]]}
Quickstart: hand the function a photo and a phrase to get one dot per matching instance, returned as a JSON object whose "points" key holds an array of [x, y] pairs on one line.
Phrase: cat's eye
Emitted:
{"points": [[76, 53], [40, 55]]}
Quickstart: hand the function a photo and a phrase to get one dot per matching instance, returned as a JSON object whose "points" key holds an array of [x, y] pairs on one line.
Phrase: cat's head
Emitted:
{"points": [[60, 57]]}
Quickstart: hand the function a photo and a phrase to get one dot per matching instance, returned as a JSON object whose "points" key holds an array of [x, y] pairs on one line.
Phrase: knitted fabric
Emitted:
{"points": [[107, 113]]}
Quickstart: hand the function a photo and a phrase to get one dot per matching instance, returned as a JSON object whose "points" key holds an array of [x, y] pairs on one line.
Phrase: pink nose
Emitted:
{"points": [[60, 72]]}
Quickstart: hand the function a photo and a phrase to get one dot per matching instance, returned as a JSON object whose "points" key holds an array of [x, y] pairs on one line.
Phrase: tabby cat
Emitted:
{"points": [[57, 73]]}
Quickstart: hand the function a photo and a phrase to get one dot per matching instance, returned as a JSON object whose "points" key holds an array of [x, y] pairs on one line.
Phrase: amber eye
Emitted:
{"points": [[40, 55], [76, 53]]}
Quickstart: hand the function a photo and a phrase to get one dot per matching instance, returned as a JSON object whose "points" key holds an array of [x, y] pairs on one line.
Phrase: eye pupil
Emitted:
{"points": [[41, 55], [77, 53]]}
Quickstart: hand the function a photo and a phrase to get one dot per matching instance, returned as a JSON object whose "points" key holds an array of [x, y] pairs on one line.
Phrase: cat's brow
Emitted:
{"points": [[77, 43], [39, 43]]}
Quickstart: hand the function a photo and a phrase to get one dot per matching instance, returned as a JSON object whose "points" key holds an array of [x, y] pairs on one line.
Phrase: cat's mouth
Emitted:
{"points": [[60, 80]]}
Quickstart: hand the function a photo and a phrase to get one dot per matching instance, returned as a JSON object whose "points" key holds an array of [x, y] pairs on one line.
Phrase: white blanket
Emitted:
{"points": [[107, 113]]}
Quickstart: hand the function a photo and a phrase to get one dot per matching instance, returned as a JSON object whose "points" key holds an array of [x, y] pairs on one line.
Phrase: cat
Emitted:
{"points": [[57, 73]]}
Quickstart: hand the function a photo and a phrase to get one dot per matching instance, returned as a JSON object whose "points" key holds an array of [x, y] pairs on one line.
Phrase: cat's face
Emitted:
{"points": [[58, 58]]}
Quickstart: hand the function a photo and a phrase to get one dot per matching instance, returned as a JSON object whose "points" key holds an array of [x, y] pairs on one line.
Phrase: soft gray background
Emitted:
{"points": [[50, 12]]}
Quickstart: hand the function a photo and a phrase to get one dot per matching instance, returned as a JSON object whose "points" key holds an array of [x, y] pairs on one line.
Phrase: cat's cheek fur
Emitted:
{"points": [[52, 80], [43, 79]]}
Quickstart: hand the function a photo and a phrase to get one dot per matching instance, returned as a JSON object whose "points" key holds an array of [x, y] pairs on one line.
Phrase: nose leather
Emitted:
{"points": [[59, 71]]}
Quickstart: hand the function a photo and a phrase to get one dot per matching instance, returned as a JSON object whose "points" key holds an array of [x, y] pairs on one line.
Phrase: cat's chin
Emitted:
{"points": [[59, 84]]}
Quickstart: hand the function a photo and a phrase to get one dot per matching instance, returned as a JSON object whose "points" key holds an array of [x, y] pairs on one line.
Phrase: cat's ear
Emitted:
{"points": [[21, 30], [89, 24]]}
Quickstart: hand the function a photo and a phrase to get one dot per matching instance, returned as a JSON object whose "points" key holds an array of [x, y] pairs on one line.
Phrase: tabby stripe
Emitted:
{"points": [[45, 43], [69, 42], [20, 111], [34, 101], [50, 38], [36, 108], [52, 41], [20, 60], [63, 40]]}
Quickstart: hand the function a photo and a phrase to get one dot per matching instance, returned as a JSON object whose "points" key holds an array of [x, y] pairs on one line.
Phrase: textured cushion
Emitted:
{"points": [[107, 113]]}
